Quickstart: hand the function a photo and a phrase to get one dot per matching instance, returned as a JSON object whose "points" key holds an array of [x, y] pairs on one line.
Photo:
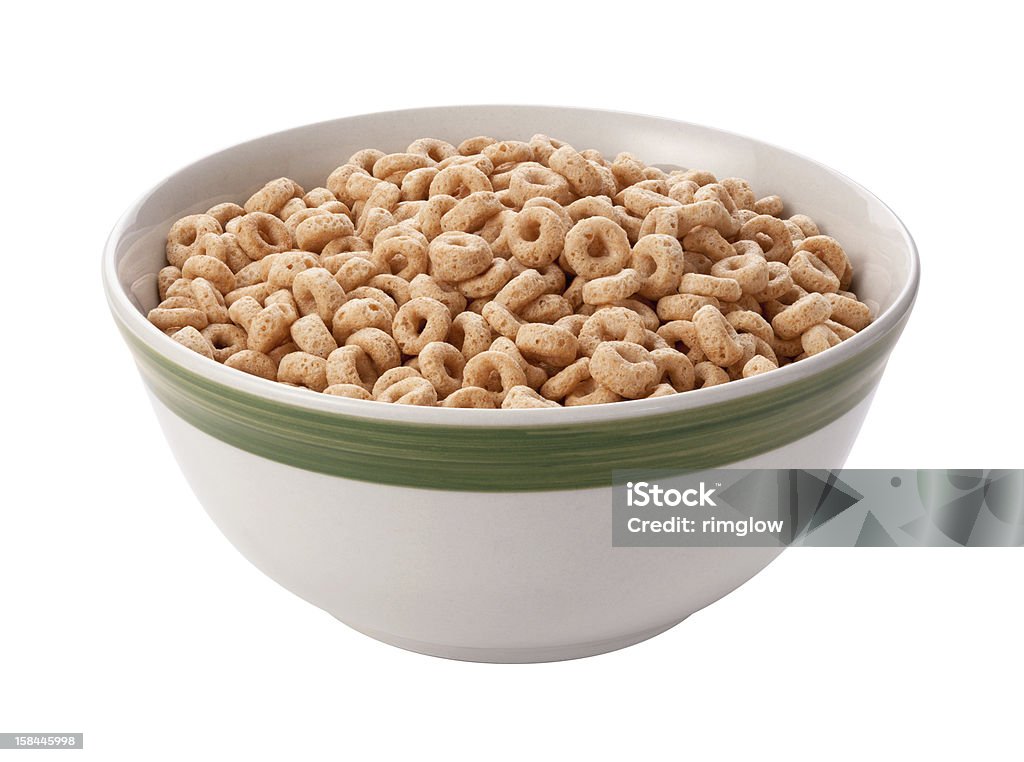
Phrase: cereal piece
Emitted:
{"points": [[708, 374], [260, 235], [806, 225], [536, 236], [310, 334], [613, 288], [442, 365], [448, 295], [494, 371], [675, 368], [611, 324], [849, 312], [472, 397], [581, 174], [489, 282], [253, 363], [525, 397], [273, 196], [818, 338], [546, 308], [348, 390], [717, 338], [470, 334], [807, 311], [811, 274], [774, 232], [226, 339], [757, 365], [747, 321], [749, 270], [183, 237], [414, 390], [315, 232], [725, 289], [596, 247], [471, 213], [589, 392], [659, 260], [225, 212], [433, 148], [537, 181], [419, 322], [303, 369], [175, 318], [351, 365], [458, 256], [548, 344], [770, 205], [190, 337]]}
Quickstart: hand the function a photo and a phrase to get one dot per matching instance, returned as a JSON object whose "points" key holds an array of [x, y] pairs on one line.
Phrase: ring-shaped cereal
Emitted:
{"points": [[311, 335], [416, 184], [828, 250], [546, 308], [213, 270], [566, 380], [641, 201], [261, 234], [747, 321], [624, 368], [459, 181], [209, 300], [770, 205], [226, 339], [394, 286], [303, 369], [582, 175], [442, 364], [724, 289], [317, 292], [818, 338], [749, 270], [709, 242], [708, 374], [536, 236], [613, 288], [708, 213], [273, 196], [447, 294], [315, 232], [494, 371], [809, 272], [489, 282], [472, 212], [523, 397], [282, 268], [807, 311], [675, 368], [596, 247], [715, 192], [185, 234], [420, 321], [774, 231], [190, 337], [401, 255], [471, 397], [379, 345], [351, 365], [589, 392], [717, 338], [253, 363], [849, 312], [433, 148], [348, 390], [458, 256], [414, 390], [538, 181], [611, 324], [356, 314], [356, 271], [225, 212], [659, 259], [521, 290], [470, 334], [548, 344], [394, 167], [501, 319]]}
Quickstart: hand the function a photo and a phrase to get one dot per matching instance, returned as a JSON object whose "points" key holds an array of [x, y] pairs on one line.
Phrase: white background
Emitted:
{"points": [[124, 613]]}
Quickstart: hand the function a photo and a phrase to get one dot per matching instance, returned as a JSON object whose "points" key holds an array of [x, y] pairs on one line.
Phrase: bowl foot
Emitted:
{"points": [[530, 655]]}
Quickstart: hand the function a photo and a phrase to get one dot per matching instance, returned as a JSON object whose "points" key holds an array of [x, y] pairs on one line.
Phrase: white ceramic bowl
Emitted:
{"points": [[477, 534]]}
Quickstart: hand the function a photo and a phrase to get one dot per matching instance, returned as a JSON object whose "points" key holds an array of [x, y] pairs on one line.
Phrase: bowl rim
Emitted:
{"points": [[135, 321]]}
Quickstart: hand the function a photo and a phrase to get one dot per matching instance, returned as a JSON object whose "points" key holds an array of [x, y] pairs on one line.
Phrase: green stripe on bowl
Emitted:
{"points": [[494, 459]]}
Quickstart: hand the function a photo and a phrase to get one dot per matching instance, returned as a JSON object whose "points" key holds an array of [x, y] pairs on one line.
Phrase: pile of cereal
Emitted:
{"points": [[505, 274]]}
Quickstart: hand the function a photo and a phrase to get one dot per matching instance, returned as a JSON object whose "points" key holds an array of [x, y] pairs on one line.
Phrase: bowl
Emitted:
{"points": [[486, 535]]}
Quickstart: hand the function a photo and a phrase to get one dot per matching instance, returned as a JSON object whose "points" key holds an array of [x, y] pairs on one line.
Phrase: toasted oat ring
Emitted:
{"points": [[448, 295], [659, 260], [261, 234], [749, 270], [380, 346], [807, 311], [471, 397], [366, 158], [402, 255], [806, 225], [355, 272], [338, 251], [709, 242], [442, 364], [175, 318], [414, 390], [184, 235], [225, 212], [495, 371], [457, 256], [368, 292], [226, 339], [538, 181], [351, 365], [433, 148], [489, 282], [253, 363], [416, 184], [818, 338], [708, 374], [373, 221], [535, 375], [395, 287], [757, 365], [596, 247], [282, 268], [348, 390], [624, 368], [717, 338], [566, 380], [337, 181], [536, 236], [708, 213], [810, 273], [165, 279], [470, 334], [683, 306], [475, 145], [589, 392], [780, 282], [675, 367], [420, 321], [591, 206], [472, 212], [272, 196], [774, 231], [543, 146], [459, 181], [315, 232], [269, 328], [611, 324], [769, 205], [613, 288], [311, 335], [384, 195], [190, 337], [317, 292], [582, 175], [641, 201], [303, 369], [523, 397], [828, 250], [521, 290], [501, 319], [546, 308], [725, 289], [849, 312], [747, 321], [393, 376], [548, 344], [508, 151], [209, 300], [395, 166]]}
